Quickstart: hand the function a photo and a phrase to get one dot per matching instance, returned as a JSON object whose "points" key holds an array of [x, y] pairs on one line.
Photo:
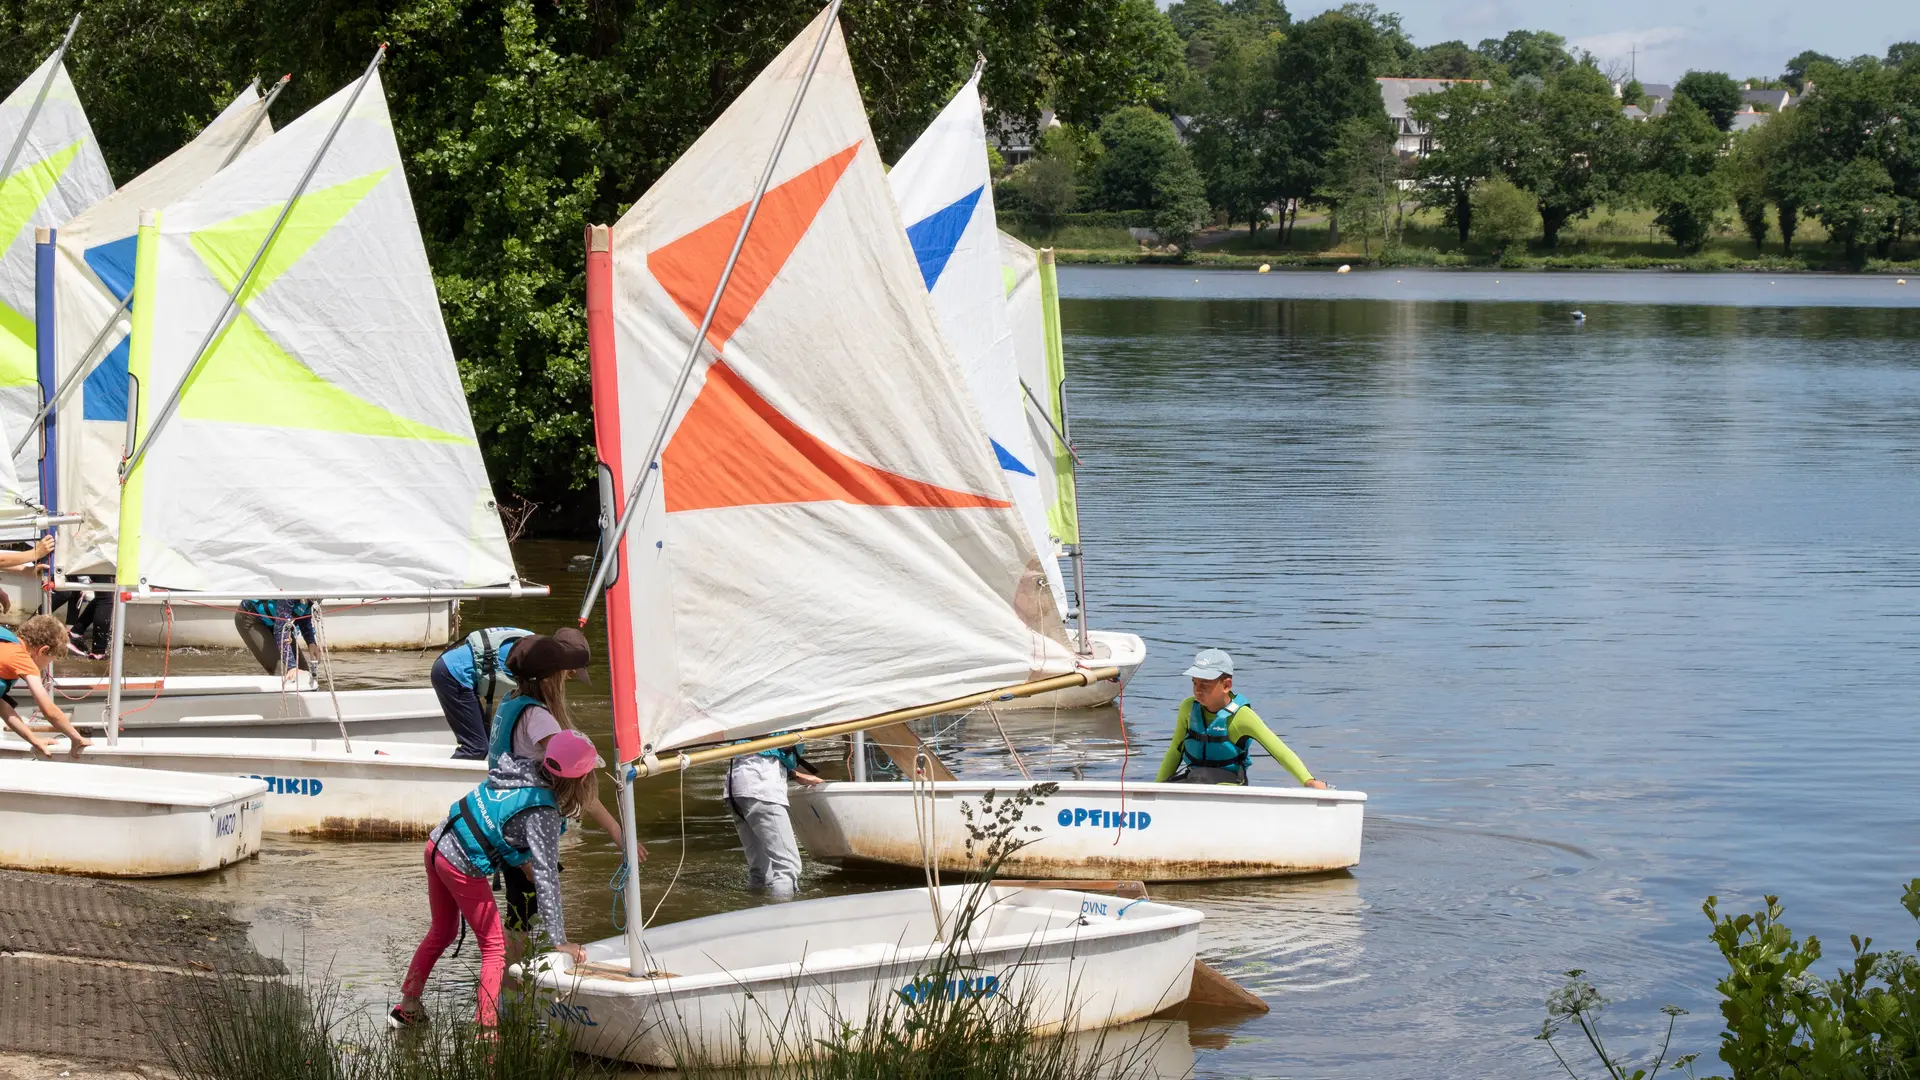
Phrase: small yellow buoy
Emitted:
{"points": [[1902, 281], [1264, 268], [1344, 269]]}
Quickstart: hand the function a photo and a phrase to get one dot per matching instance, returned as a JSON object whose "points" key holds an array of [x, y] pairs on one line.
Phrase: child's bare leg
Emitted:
{"points": [[20, 728]]}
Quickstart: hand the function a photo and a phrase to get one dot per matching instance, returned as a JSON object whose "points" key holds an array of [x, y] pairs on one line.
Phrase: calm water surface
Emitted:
{"points": [[1604, 617]]}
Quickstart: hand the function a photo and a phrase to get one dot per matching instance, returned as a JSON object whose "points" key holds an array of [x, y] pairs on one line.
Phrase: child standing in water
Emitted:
{"points": [[513, 820], [28, 655]]}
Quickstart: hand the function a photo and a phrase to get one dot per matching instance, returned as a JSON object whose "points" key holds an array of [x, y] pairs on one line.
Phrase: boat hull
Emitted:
{"points": [[749, 986], [315, 787], [150, 710], [387, 624], [70, 818], [1124, 651], [1174, 832]]}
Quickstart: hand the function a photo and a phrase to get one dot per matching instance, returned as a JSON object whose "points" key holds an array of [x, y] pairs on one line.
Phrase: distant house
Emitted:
{"points": [[1766, 100], [1015, 145], [1657, 95], [1748, 118], [1410, 137]]}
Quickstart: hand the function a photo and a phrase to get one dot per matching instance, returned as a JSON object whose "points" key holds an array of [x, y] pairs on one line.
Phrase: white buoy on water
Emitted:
{"points": [[1344, 269], [1265, 267], [1579, 316]]}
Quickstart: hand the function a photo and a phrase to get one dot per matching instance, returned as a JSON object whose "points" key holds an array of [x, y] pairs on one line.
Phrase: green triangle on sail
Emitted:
{"points": [[247, 378], [23, 192], [229, 246], [17, 355]]}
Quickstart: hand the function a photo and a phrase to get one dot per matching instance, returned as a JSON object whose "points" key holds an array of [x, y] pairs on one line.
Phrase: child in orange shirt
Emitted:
{"points": [[26, 656]]}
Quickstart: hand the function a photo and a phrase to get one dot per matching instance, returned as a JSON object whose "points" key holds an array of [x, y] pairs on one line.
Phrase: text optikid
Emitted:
{"points": [[1104, 819]]}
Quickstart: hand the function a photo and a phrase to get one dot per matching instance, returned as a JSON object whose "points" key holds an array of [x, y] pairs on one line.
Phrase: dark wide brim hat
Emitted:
{"points": [[542, 655]]}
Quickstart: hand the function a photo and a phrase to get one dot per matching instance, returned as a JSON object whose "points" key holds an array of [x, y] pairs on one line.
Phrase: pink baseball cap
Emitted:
{"points": [[571, 754]]}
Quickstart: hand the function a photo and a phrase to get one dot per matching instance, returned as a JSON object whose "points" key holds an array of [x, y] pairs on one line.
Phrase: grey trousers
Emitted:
{"points": [[766, 834]]}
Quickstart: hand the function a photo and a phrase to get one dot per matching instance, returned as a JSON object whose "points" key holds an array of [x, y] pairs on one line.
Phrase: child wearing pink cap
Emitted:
{"points": [[514, 820]]}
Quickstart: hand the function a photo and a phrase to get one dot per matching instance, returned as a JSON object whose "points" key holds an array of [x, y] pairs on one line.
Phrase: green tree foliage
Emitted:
{"points": [[1800, 66], [1713, 91], [1469, 142], [1528, 52], [1362, 184], [1680, 174], [1453, 60], [1232, 137], [1567, 144], [523, 120], [1858, 206], [1323, 77], [1180, 202], [1140, 145], [1503, 215]]}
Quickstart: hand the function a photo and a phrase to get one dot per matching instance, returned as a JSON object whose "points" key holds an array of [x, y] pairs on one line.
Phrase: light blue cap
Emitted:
{"points": [[1210, 664]]}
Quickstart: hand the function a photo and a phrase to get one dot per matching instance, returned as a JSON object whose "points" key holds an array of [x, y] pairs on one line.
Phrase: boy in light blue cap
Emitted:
{"points": [[1214, 729]]}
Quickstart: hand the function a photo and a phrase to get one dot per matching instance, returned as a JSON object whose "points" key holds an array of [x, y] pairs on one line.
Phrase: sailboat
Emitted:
{"points": [[815, 538], [990, 314], [301, 430]]}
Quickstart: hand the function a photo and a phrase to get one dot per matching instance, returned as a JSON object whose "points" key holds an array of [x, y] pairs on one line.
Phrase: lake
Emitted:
{"points": [[1605, 616]]}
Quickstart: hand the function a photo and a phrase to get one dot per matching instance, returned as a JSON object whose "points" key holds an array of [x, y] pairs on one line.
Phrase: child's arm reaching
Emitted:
{"points": [[19, 727], [54, 715]]}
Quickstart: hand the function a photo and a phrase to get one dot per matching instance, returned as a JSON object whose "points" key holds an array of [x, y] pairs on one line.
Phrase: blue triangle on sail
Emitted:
{"points": [[1008, 461], [935, 236], [113, 262], [103, 396]]}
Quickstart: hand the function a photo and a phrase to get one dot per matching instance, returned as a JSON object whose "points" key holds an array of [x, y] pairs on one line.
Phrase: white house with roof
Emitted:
{"points": [[1410, 137]]}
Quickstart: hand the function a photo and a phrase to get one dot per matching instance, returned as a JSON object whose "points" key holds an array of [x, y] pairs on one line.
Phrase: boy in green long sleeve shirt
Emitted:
{"points": [[1214, 728]]}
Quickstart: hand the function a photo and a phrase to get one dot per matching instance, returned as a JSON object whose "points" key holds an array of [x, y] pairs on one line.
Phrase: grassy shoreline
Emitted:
{"points": [[1424, 259]]}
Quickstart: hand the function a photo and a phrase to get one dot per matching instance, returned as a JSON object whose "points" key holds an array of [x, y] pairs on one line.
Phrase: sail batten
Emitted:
{"points": [[830, 535], [327, 420]]}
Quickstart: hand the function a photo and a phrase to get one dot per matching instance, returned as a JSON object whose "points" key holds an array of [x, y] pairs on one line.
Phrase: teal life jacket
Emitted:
{"points": [[6, 685], [1207, 743], [488, 671], [477, 821], [787, 756], [500, 739]]}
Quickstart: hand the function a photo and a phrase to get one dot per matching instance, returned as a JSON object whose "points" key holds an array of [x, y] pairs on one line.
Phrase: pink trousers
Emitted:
{"points": [[452, 895]]}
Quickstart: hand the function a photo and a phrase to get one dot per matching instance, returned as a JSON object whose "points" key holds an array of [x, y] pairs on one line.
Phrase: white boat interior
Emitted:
{"points": [[150, 709]]}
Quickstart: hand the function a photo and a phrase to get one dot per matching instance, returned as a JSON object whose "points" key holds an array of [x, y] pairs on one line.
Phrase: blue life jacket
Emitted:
{"points": [[6, 685], [477, 821], [500, 742], [488, 670], [1207, 743], [787, 756]]}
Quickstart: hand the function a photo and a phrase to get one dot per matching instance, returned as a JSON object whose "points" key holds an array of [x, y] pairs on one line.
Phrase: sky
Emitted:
{"points": [[1740, 37]]}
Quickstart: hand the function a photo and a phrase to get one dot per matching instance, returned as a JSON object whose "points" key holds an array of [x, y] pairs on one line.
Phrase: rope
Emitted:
{"points": [[166, 661], [655, 913], [925, 830], [1024, 774], [326, 665]]}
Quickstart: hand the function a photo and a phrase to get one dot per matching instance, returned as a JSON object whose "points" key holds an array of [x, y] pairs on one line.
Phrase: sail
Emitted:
{"points": [[829, 535], [1063, 513], [58, 173], [17, 512], [92, 274], [945, 193], [324, 442], [1020, 280]]}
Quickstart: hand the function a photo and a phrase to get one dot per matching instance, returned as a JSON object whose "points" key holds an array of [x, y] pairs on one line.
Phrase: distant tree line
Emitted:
{"points": [[523, 120]]}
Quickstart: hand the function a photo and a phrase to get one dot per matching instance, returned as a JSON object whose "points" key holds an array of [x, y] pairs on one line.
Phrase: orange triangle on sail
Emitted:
{"points": [[689, 268], [733, 448]]}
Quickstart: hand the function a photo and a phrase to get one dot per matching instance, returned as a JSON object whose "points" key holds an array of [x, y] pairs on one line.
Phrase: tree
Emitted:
{"points": [[1232, 133], [1901, 53], [1140, 146], [1566, 143], [1180, 202], [1361, 183], [1858, 206], [1528, 52], [1503, 215], [1713, 91], [1798, 68], [1323, 76], [1681, 175], [1453, 60], [1464, 122]]}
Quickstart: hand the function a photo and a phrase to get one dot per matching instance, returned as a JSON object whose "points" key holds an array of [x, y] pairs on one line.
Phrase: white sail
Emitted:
{"points": [[327, 421], [830, 535], [945, 192], [1033, 306], [92, 275], [58, 173]]}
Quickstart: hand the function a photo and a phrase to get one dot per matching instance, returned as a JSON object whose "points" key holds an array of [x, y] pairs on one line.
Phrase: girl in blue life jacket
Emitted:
{"points": [[513, 820], [540, 666]]}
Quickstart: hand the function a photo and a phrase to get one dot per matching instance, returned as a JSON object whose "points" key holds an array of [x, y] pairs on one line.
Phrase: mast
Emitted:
{"points": [[53, 71]]}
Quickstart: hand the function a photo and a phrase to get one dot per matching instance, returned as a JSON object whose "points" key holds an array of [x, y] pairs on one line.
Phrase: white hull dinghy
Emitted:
{"points": [[243, 711], [1095, 829], [1109, 648], [383, 624], [770, 981], [74, 818], [316, 788]]}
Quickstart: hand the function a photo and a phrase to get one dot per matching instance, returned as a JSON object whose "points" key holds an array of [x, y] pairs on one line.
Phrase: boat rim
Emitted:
{"points": [[1097, 787], [556, 970]]}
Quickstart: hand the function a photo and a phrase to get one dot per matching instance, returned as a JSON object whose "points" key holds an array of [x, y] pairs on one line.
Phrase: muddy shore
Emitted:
{"points": [[87, 969]]}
